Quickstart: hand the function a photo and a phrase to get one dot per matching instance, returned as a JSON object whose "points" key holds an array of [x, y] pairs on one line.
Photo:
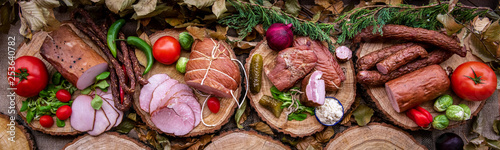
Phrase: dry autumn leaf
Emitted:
{"points": [[219, 7], [325, 135], [202, 142], [117, 6], [480, 24], [37, 15], [308, 143], [449, 23], [175, 21], [334, 6], [292, 7], [220, 34], [196, 32], [492, 33], [262, 127], [199, 3], [144, 7], [363, 114]]}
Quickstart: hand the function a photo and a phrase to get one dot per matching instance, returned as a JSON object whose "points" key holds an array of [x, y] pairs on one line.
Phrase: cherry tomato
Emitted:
{"points": [[46, 121], [474, 81], [30, 76], [166, 50], [63, 95], [63, 112], [213, 104]]}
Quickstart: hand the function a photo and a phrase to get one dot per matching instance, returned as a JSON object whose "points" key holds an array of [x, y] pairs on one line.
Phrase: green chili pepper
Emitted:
{"points": [[142, 45], [113, 33]]}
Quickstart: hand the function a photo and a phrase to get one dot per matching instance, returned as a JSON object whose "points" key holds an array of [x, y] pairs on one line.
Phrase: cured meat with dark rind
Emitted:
{"points": [[375, 78], [405, 33], [371, 59], [417, 87], [401, 58]]}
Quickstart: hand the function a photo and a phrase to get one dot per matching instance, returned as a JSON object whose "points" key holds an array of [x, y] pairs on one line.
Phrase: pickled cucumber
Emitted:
{"points": [[272, 105], [255, 76]]}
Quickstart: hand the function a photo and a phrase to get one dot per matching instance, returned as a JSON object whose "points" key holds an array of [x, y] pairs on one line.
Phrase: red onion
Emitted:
{"points": [[279, 36]]}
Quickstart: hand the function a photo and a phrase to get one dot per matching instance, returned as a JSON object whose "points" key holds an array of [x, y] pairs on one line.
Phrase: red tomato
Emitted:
{"points": [[31, 76], [167, 50], [46, 121], [63, 95], [474, 81], [63, 112], [213, 104]]}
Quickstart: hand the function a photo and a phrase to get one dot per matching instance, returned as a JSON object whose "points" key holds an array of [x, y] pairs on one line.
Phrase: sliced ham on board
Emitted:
{"points": [[148, 89], [82, 116], [177, 119]]}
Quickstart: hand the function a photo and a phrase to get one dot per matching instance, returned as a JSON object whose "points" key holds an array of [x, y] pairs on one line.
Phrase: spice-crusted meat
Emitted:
{"points": [[375, 78], [292, 64], [405, 33]]}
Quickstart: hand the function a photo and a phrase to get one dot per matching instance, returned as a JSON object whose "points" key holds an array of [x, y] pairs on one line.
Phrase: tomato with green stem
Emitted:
{"points": [[30, 77], [474, 81], [167, 50]]}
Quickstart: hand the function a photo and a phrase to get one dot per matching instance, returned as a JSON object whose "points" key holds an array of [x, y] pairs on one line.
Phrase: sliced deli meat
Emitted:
{"points": [[148, 89], [210, 68], [82, 116], [332, 73], [72, 57], [160, 93], [417, 87], [177, 119], [191, 102], [314, 90], [101, 123], [291, 65]]}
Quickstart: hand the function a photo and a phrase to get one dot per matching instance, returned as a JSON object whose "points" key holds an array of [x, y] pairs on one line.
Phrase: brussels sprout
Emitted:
{"points": [[186, 40], [466, 110], [443, 102], [440, 122], [455, 113], [181, 64]]}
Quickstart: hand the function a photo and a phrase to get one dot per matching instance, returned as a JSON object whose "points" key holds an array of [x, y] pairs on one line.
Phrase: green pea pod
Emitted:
{"points": [[113, 34], [145, 47]]}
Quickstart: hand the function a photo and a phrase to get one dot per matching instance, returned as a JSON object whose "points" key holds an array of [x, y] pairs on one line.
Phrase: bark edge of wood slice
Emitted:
{"points": [[378, 94], [33, 49], [241, 139], [106, 140], [227, 106], [374, 136], [346, 95], [21, 141]]}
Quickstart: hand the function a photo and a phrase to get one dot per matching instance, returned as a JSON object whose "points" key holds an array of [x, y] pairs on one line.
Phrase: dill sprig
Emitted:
{"points": [[350, 23]]}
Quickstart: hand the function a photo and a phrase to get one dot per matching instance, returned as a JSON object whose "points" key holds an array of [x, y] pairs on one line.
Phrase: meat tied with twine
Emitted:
{"points": [[211, 70]]}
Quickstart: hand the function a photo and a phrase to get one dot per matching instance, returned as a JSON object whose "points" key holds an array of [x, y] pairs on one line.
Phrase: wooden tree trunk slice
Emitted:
{"points": [[107, 140], [244, 140], [379, 95], [13, 135], [374, 136], [346, 95], [32, 48], [227, 105]]}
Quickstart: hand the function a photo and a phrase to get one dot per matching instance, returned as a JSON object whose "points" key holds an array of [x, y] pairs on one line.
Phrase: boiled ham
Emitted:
{"points": [[85, 118], [82, 116], [172, 105], [210, 68]]}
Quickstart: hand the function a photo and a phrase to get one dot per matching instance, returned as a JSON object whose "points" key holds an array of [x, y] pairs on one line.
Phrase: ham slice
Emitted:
{"points": [[314, 90], [82, 116], [160, 93], [101, 123], [148, 89], [72, 57], [191, 102], [210, 68], [177, 119]]}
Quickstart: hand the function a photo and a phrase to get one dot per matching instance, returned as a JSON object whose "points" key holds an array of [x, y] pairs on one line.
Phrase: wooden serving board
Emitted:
{"points": [[21, 138], [244, 140], [227, 105], [32, 48], [346, 95], [374, 136], [379, 96], [107, 140]]}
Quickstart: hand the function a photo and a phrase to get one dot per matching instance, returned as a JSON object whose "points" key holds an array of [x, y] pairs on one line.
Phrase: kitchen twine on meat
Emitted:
{"points": [[211, 58]]}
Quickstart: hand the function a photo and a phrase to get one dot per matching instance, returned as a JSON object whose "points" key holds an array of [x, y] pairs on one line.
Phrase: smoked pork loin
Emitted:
{"points": [[291, 64], [72, 57], [210, 68]]}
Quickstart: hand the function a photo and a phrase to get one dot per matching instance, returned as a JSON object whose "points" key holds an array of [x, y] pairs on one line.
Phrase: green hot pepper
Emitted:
{"points": [[113, 34], [142, 45]]}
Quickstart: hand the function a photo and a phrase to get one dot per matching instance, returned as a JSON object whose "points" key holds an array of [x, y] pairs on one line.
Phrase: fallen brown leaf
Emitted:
{"points": [[334, 6], [196, 32], [308, 143], [262, 127], [325, 135]]}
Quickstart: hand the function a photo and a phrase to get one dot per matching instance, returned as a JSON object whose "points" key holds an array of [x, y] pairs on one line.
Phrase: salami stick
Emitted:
{"points": [[126, 62], [115, 90], [369, 60], [137, 67], [116, 65], [405, 33], [375, 78], [401, 58]]}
